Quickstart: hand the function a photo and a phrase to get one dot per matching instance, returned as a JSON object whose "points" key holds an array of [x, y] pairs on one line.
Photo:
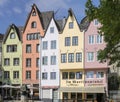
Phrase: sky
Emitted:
{"points": [[16, 11]]}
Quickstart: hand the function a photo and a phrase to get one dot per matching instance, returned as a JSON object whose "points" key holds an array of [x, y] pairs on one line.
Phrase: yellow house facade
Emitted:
{"points": [[71, 59]]}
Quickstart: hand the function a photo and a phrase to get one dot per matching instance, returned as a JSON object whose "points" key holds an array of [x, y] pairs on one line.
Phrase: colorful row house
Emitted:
{"points": [[34, 29], [71, 59], [56, 59], [12, 57], [95, 72]]}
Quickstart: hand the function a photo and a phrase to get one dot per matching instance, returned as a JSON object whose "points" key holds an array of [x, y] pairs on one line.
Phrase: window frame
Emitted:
{"points": [[28, 75], [34, 24], [70, 57], [67, 41], [75, 41], [63, 58], [52, 75], [71, 25], [78, 57]]}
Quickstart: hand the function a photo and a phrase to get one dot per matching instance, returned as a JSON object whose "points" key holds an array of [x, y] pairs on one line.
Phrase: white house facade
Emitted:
{"points": [[49, 63]]}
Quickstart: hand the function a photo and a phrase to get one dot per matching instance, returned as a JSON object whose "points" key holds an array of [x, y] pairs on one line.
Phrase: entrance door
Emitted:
{"points": [[100, 97]]}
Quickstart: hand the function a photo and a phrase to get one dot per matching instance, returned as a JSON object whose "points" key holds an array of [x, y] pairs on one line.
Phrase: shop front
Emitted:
{"points": [[82, 93]]}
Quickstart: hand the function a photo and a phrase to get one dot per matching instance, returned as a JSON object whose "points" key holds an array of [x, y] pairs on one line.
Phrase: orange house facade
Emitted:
{"points": [[31, 48]]}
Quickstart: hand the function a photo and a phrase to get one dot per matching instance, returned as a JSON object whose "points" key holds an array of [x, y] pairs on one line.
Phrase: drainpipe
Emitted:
{"points": [[40, 69]]}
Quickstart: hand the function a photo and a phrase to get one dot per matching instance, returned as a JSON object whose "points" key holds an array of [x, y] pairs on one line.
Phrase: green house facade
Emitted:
{"points": [[12, 56]]}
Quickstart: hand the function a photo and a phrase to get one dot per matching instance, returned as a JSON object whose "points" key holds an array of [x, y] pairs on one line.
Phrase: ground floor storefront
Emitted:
{"points": [[87, 94]]}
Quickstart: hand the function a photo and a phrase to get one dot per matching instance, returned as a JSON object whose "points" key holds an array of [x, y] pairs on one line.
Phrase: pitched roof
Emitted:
{"points": [[1, 37], [71, 14], [84, 24], [44, 17], [60, 24], [18, 30]]}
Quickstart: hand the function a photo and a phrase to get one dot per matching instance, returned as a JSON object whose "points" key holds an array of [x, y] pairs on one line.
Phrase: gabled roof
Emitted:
{"points": [[84, 24], [18, 31], [44, 17], [1, 37], [60, 24], [71, 13]]}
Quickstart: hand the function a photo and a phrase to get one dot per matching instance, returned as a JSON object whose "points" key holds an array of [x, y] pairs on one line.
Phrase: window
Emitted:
{"points": [[63, 58], [44, 60], [44, 75], [6, 61], [65, 95], [100, 75], [90, 96], [33, 13], [96, 22], [6, 74], [16, 61], [91, 39], [90, 56], [11, 48], [73, 95], [75, 40], [53, 44], [71, 25], [90, 74], [15, 74], [28, 74], [12, 36], [78, 75], [67, 41], [99, 39], [37, 62], [28, 62], [52, 75], [71, 57], [37, 74], [28, 48], [33, 24], [45, 45], [64, 75], [38, 48], [28, 36], [53, 60], [51, 29], [71, 75], [33, 36], [78, 57]]}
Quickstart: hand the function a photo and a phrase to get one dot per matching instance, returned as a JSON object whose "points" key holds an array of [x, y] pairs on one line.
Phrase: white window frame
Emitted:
{"points": [[91, 39], [90, 56]]}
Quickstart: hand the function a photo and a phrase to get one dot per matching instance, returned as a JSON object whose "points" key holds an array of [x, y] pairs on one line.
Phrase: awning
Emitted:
{"points": [[87, 89]]}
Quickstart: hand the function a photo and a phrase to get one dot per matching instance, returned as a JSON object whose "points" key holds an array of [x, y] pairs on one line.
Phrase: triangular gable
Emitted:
{"points": [[13, 26], [36, 10], [72, 15]]}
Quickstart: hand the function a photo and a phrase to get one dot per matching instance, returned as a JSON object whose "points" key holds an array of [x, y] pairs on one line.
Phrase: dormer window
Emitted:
{"points": [[96, 22], [12, 36], [71, 25], [33, 24]]}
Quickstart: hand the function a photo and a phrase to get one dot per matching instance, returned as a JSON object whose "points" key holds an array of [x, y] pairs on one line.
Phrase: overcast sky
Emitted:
{"points": [[16, 11]]}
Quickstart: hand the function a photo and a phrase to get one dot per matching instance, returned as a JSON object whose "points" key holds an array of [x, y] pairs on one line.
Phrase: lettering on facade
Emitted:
{"points": [[90, 82]]}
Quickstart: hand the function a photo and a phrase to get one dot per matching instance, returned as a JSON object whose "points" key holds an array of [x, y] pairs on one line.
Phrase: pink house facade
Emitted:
{"points": [[95, 72]]}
